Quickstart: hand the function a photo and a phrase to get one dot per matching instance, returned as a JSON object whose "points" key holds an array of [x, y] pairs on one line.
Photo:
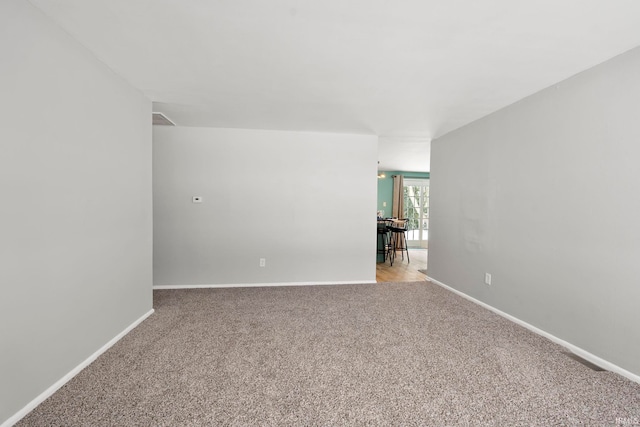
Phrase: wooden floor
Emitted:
{"points": [[403, 271]]}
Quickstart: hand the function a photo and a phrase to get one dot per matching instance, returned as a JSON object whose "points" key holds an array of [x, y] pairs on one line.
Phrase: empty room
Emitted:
{"points": [[187, 227]]}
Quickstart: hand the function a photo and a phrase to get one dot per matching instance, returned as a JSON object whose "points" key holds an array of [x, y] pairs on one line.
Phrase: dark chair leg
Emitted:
{"points": [[406, 246], [402, 242]]}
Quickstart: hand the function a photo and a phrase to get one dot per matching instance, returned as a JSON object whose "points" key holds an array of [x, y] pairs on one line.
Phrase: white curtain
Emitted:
{"points": [[397, 209], [398, 202]]}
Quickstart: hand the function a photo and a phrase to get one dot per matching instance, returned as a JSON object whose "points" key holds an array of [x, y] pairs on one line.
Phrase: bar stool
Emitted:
{"points": [[384, 243], [399, 238]]}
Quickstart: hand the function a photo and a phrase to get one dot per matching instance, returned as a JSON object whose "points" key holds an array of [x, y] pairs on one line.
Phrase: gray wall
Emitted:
{"points": [[304, 201], [76, 212], [545, 196]]}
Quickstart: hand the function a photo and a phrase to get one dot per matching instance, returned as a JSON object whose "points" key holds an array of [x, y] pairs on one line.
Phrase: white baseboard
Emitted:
{"points": [[605, 364], [75, 371], [260, 285]]}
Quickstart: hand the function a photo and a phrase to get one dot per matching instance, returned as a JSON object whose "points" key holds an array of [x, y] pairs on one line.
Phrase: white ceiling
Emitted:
{"points": [[406, 70]]}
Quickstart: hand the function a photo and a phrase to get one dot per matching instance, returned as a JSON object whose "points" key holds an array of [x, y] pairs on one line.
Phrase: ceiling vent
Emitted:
{"points": [[162, 120]]}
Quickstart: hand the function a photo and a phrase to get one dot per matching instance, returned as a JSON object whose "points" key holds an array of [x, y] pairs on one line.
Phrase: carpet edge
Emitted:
{"points": [[72, 373], [609, 366], [261, 285]]}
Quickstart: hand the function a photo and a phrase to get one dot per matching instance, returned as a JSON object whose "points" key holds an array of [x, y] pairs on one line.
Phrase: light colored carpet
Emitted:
{"points": [[384, 354]]}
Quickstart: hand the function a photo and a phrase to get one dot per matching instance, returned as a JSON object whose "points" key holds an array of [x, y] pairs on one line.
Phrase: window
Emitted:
{"points": [[416, 209]]}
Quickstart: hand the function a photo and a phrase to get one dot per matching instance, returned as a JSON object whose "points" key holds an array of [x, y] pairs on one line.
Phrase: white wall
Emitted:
{"points": [[76, 213], [545, 195], [304, 201]]}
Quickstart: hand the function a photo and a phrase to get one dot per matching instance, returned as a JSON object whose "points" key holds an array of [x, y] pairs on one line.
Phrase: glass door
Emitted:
{"points": [[416, 209]]}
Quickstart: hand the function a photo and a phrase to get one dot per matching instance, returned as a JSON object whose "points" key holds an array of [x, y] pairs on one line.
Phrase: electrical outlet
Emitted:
{"points": [[487, 278], [263, 262]]}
